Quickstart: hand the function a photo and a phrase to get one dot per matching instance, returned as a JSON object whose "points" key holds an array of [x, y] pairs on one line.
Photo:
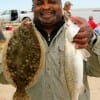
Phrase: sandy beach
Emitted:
{"points": [[94, 84], [7, 91]]}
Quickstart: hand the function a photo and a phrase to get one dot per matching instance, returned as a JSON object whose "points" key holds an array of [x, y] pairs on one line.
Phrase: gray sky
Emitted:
{"points": [[27, 4]]}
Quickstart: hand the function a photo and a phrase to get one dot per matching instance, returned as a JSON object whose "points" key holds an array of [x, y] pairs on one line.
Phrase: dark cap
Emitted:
{"points": [[68, 3]]}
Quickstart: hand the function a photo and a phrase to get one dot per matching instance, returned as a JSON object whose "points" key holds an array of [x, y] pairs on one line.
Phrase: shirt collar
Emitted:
{"points": [[53, 33]]}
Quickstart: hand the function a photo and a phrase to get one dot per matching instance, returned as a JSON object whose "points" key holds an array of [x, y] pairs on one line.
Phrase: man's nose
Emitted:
{"points": [[46, 6]]}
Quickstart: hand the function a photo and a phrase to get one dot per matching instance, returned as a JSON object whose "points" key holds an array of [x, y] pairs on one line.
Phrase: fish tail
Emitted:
{"points": [[76, 92], [21, 95], [74, 97]]}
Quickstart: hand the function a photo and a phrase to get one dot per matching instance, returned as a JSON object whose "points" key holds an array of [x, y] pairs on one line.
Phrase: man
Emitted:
{"points": [[51, 84]]}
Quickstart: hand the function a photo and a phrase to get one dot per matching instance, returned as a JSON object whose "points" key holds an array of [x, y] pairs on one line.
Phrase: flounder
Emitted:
{"points": [[23, 59]]}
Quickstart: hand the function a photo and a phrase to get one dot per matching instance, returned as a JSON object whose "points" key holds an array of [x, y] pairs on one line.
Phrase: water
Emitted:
{"points": [[85, 13]]}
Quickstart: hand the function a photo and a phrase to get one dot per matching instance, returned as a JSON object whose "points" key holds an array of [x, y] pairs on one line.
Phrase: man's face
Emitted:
{"points": [[47, 12]]}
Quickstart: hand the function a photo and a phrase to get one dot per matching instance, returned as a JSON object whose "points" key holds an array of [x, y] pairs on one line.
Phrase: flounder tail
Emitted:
{"points": [[21, 95]]}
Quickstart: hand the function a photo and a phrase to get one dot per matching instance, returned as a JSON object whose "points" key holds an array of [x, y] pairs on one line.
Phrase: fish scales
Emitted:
{"points": [[23, 60], [73, 63]]}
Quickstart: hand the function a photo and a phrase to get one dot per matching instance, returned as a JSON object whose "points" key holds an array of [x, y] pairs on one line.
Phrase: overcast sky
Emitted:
{"points": [[85, 3], [27, 4]]}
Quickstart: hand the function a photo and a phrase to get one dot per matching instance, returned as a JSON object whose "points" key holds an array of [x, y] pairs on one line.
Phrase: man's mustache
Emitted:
{"points": [[47, 11]]}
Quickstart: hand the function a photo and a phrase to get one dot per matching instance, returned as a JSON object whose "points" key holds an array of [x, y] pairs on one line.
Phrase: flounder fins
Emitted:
{"points": [[21, 94], [85, 54]]}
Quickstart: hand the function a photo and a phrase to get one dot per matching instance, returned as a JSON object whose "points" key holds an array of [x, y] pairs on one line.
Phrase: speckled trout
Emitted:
{"points": [[73, 62]]}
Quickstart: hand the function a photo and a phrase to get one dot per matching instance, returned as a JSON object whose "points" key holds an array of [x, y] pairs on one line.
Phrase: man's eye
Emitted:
{"points": [[39, 2], [53, 1]]}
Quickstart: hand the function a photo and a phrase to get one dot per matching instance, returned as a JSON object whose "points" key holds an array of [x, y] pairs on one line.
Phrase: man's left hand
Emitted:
{"points": [[83, 37]]}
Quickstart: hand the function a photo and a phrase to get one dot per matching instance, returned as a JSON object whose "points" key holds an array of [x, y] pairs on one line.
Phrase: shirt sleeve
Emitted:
{"points": [[93, 62]]}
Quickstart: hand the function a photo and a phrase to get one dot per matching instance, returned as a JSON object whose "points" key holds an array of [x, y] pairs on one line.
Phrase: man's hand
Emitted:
{"points": [[84, 35]]}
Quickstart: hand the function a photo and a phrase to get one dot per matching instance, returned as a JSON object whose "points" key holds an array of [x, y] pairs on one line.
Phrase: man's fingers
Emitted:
{"points": [[80, 35], [81, 41], [78, 46]]}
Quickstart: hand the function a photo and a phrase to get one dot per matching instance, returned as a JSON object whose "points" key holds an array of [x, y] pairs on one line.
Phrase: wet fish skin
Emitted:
{"points": [[73, 64], [21, 95]]}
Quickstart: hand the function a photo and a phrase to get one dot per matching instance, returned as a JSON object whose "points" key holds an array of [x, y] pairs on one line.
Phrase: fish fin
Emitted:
{"points": [[81, 90], [85, 54], [20, 95]]}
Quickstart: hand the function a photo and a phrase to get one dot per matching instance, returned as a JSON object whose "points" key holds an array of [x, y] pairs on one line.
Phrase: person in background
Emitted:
{"points": [[49, 22], [26, 21], [2, 37], [67, 14], [2, 41], [97, 29], [67, 8], [92, 23]]}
